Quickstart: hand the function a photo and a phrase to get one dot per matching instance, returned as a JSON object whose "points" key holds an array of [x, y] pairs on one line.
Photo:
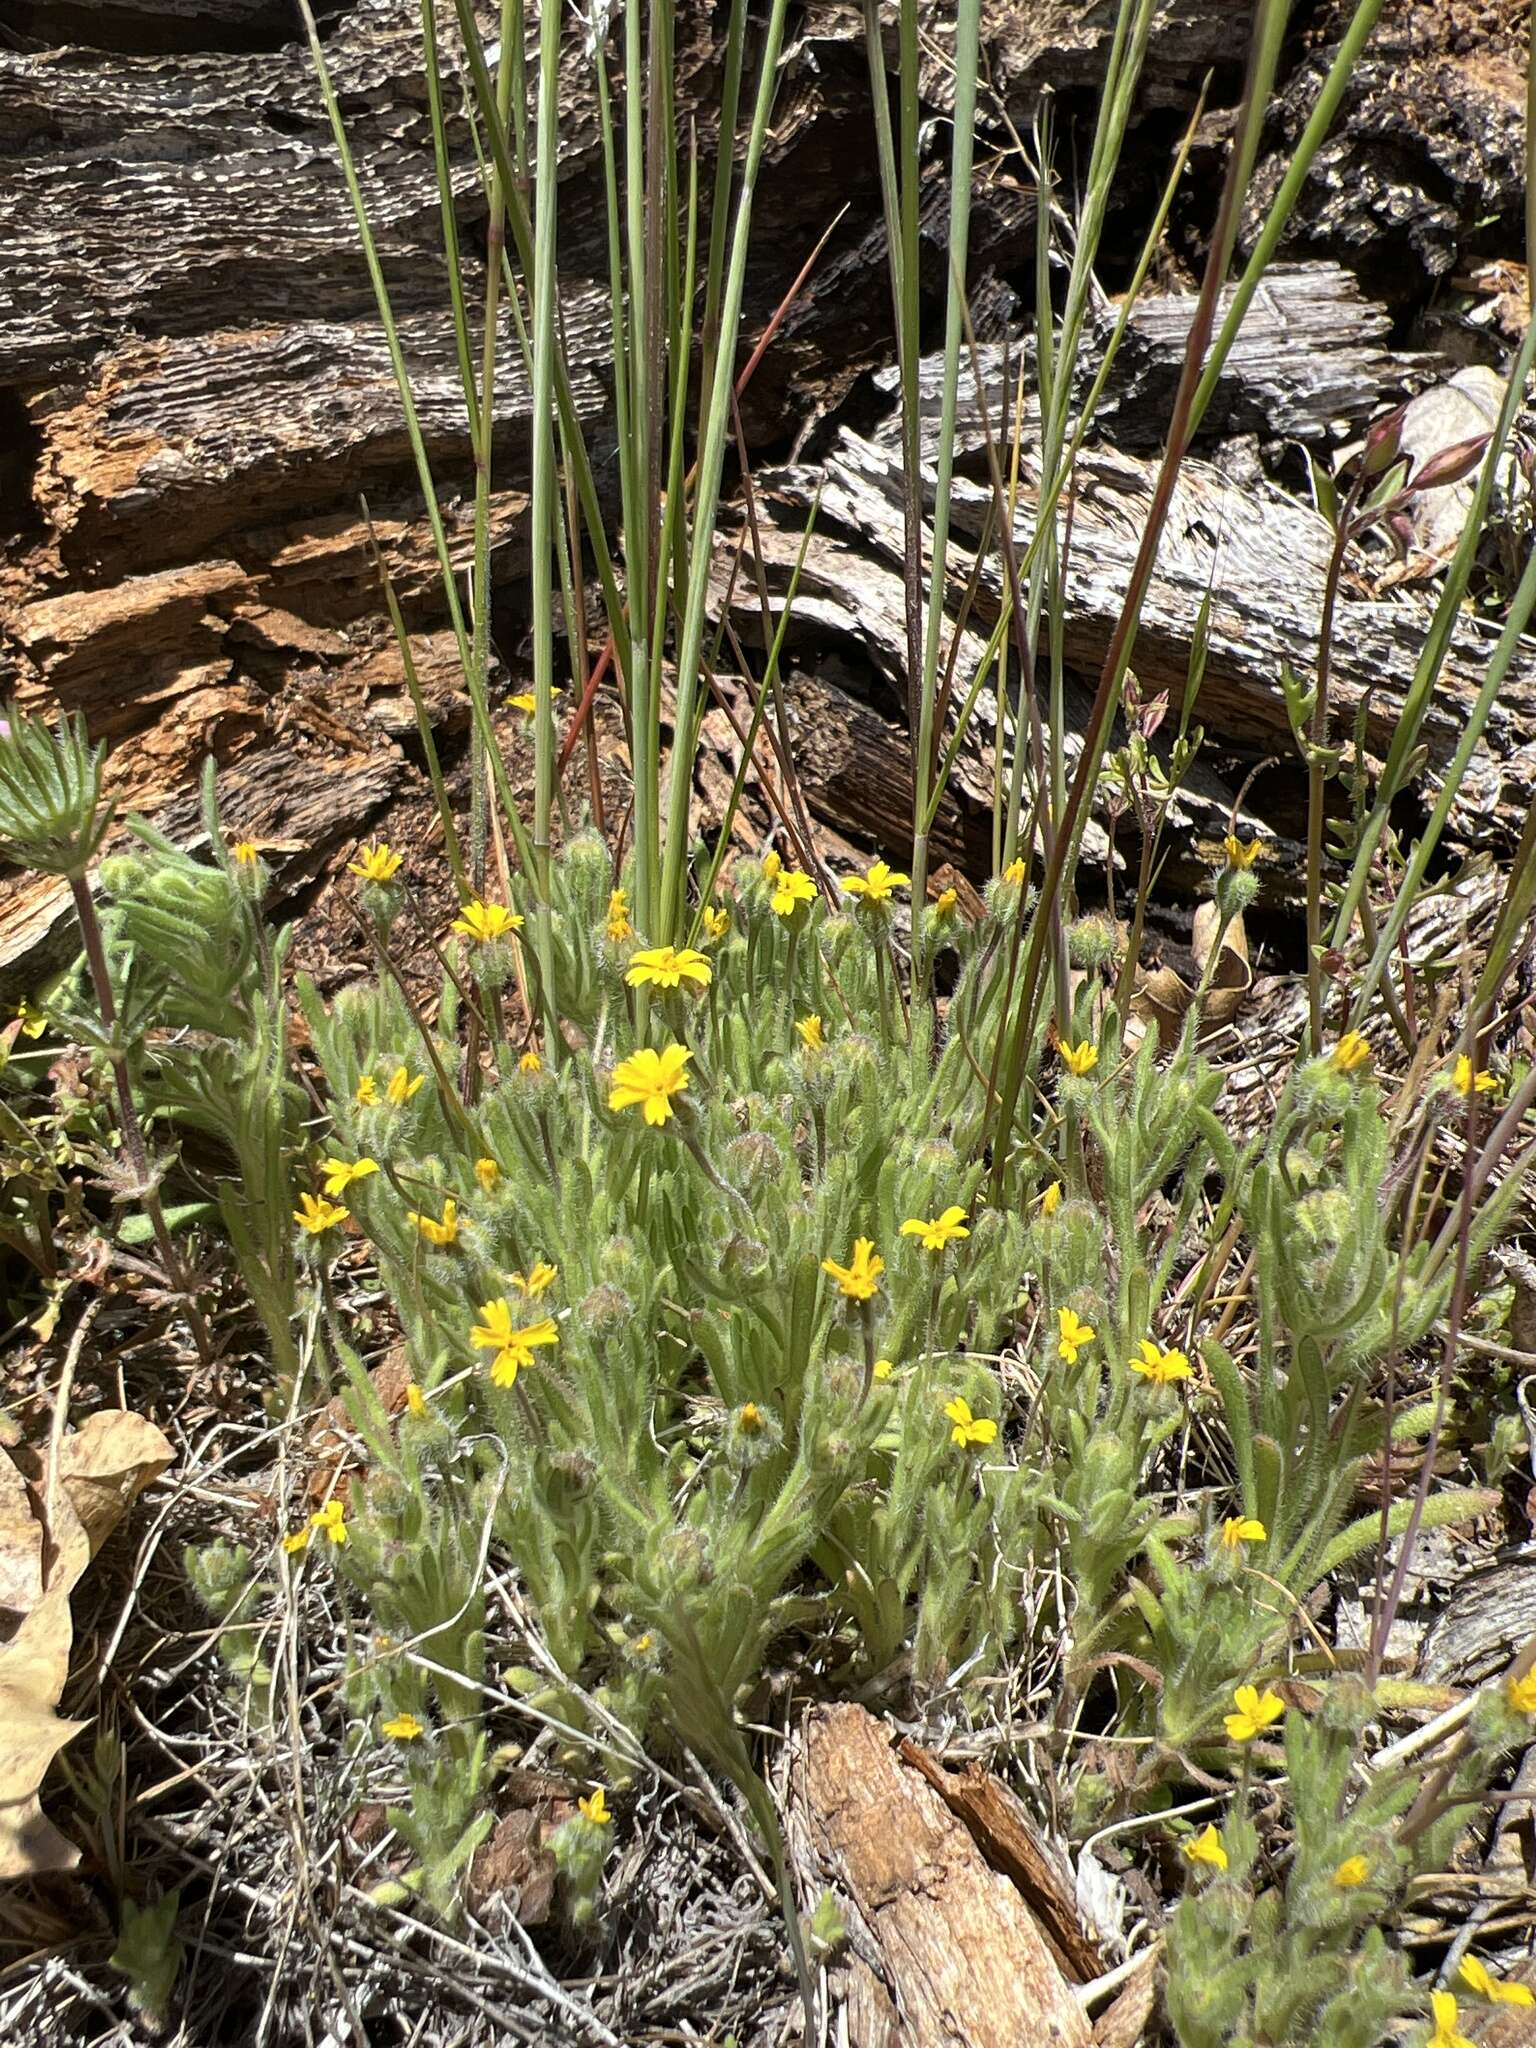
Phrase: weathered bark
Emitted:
{"points": [[1426, 164], [195, 391], [1260, 557], [945, 1953]]}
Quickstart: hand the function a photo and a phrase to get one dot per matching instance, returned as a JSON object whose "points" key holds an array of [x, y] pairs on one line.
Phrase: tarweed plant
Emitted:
{"points": [[749, 1291]]}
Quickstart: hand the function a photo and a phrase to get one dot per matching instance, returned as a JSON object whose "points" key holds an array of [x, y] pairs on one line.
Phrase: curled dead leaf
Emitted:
{"points": [[94, 1476], [1163, 997]]}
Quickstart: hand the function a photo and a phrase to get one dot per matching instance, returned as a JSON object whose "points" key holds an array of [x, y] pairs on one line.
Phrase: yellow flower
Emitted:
{"points": [[1161, 1367], [367, 1092], [245, 853], [440, 1234], [811, 1032], [341, 1173], [716, 920], [524, 701], [1476, 1978], [1239, 854], [297, 1540], [937, 1233], [595, 1809], [487, 1173], [1447, 2034], [860, 1278], [648, 1081], [1050, 1201], [1521, 1693], [402, 1085], [749, 1419], [790, 891], [1074, 1334], [878, 885], [483, 923], [331, 1522], [33, 1022], [415, 1399], [316, 1215], [1207, 1848], [969, 1429], [1465, 1082], [1079, 1059], [530, 1063], [404, 1728], [1351, 1873], [619, 926], [773, 867], [536, 1281], [375, 863], [1014, 872], [883, 1368], [1255, 1712], [514, 1346], [1237, 1530], [945, 902], [667, 967], [1352, 1051]]}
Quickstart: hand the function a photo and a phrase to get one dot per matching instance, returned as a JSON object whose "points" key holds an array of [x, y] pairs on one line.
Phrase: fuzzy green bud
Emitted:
{"points": [[605, 1313], [1092, 944], [744, 1258], [753, 1435], [51, 814], [751, 1163]]}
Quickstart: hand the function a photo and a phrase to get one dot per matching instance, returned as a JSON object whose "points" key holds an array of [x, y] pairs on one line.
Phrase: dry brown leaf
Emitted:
{"points": [[105, 1465], [21, 1543], [1163, 996], [95, 1475]]}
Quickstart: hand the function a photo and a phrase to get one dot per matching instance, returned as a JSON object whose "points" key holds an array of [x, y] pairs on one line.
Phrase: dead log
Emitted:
{"points": [[1426, 164], [1260, 554], [944, 1951], [1310, 363]]}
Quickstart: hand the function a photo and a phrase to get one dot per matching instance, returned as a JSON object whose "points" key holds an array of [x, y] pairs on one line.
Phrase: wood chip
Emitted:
{"points": [[962, 1957]]}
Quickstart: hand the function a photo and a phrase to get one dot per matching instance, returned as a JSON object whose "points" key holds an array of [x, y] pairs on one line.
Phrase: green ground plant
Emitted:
{"points": [[752, 1294]]}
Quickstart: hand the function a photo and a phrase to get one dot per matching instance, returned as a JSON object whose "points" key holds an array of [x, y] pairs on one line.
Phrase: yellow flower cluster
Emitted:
{"points": [[329, 1521], [1161, 1368], [878, 886], [440, 1233], [667, 967], [378, 863], [483, 923], [969, 1430], [1073, 1333], [1256, 1711]]}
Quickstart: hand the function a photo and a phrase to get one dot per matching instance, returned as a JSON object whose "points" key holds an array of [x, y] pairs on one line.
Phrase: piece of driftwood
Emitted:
{"points": [[1427, 156], [1123, 2024], [1310, 361], [961, 1957], [1489, 1617], [1006, 1836], [845, 697], [1260, 556]]}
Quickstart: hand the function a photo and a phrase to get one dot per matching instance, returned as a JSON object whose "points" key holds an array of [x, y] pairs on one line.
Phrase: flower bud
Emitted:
{"points": [[606, 1312], [1093, 944], [751, 1163]]}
